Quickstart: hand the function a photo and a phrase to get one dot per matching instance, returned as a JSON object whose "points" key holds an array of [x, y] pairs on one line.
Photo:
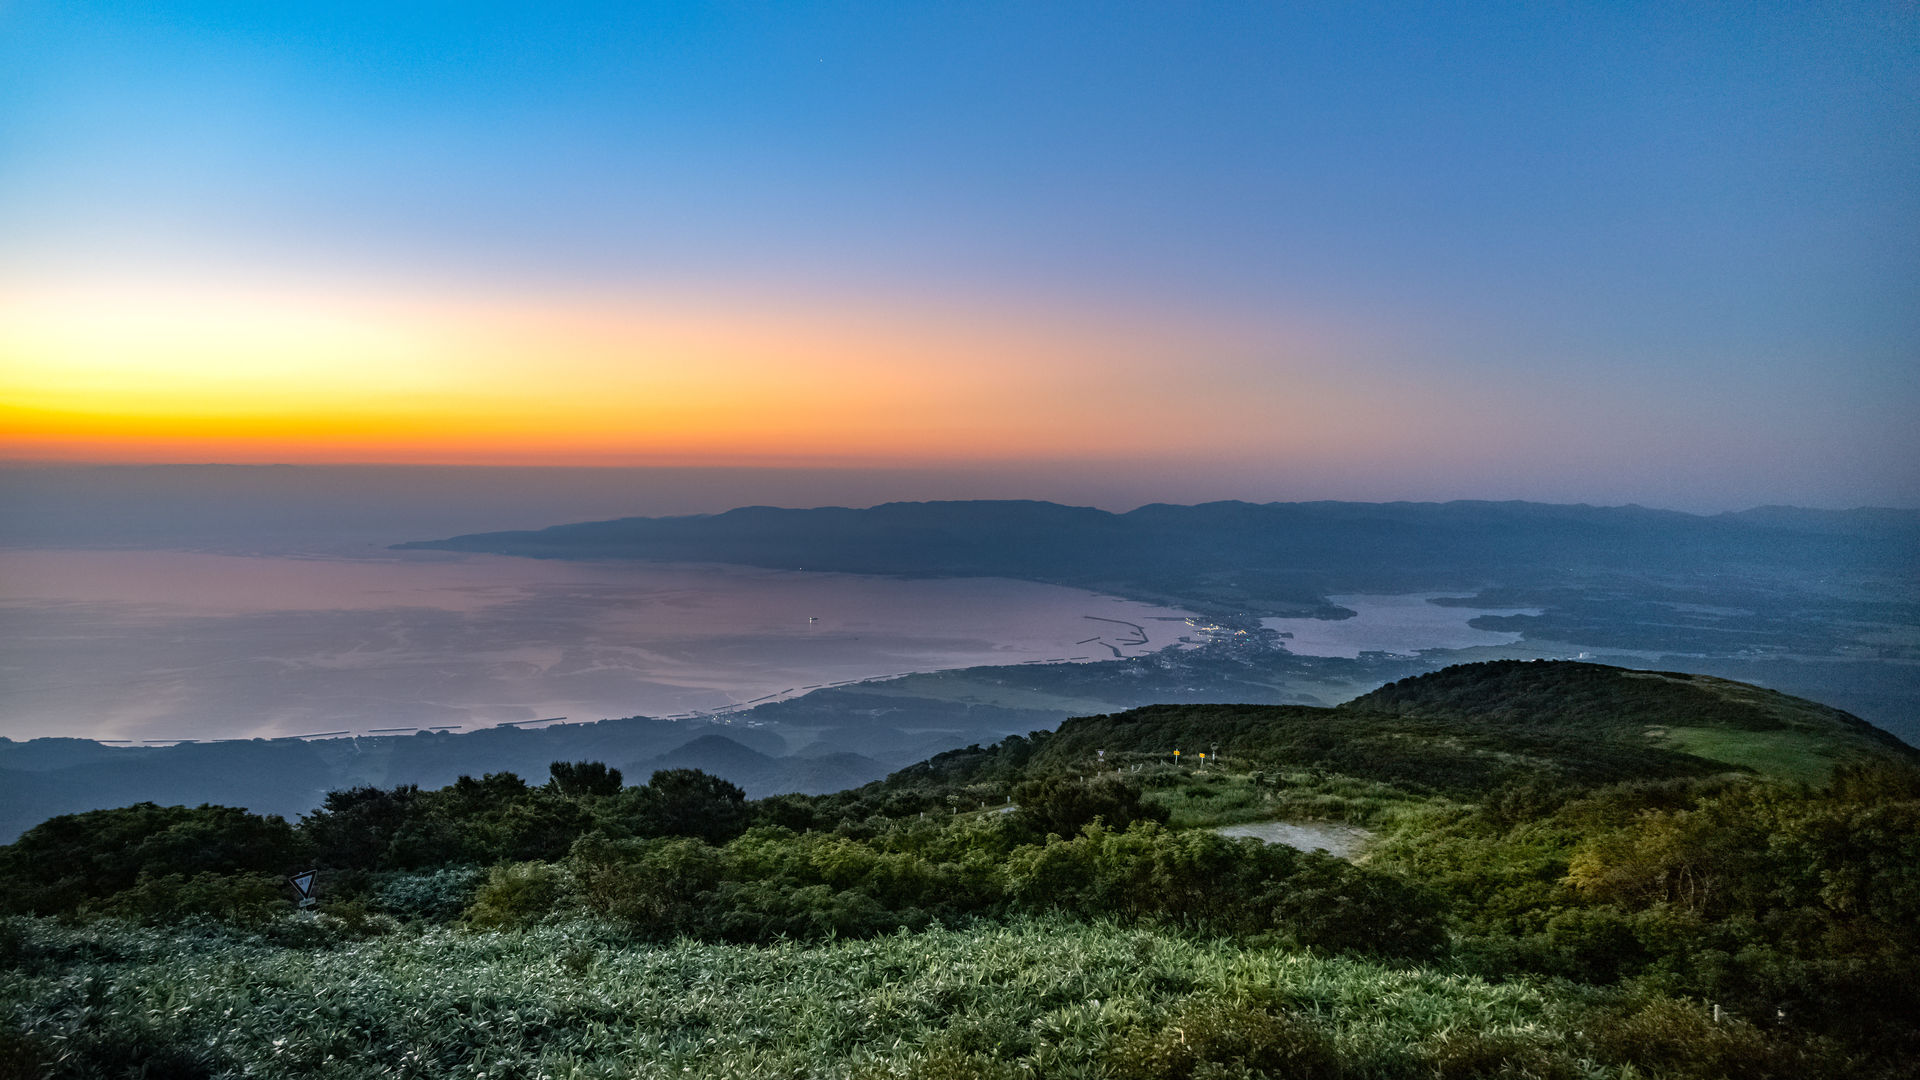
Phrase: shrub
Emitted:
{"points": [[353, 919], [1471, 1055], [21, 1054], [1680, 1039], [1329, 904], [241, 899], [15, 949], [655, 886], [1595, 945], [434, 896], [515, 895], [1063, 805], [1213, 1039]]}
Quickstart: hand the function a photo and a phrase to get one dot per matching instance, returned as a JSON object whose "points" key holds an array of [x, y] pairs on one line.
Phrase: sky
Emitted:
{"points": [[1666, 254]]}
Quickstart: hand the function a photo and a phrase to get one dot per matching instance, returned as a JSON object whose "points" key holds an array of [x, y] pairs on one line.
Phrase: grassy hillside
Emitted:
{"points": [[1567, 694], [1720, 720], [1048, 997], [1552, 888], [1466, 731]]}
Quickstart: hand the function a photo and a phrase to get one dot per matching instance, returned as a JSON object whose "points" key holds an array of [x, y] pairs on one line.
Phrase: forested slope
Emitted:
{"points": [[1560, 893]]}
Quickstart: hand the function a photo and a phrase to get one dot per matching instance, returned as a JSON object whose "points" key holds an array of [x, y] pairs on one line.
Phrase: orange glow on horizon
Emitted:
{"points": [[179, 373]]}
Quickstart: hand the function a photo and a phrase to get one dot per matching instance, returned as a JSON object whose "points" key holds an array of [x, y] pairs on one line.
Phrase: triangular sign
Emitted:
{"points": [[303, 882]]}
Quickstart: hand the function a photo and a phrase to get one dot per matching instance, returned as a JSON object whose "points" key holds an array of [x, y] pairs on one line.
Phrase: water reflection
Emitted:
{"points": [[167, 645]]}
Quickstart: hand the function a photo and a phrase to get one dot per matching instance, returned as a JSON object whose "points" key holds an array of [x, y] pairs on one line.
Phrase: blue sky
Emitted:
{"points": [[1667, 250]]}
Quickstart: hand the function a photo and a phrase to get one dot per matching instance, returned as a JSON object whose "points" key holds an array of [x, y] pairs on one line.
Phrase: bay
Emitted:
{"points": [[155, 646]]}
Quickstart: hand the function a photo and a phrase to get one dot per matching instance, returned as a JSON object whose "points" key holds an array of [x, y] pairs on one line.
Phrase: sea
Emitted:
{"points": [[153, 646]]}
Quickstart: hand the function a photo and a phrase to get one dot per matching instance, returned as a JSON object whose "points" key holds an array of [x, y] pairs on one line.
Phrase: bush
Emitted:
{"points": [[1596, 945], [515, 895], [1063, 805], [767, 885], [240, 899], [15, 950], [353, 920], [434, 896], [1680, 1039], [21, 1054], [1331, 905], [1202, 879], [1213, 1039], [1471, 1055], [655, 886]]}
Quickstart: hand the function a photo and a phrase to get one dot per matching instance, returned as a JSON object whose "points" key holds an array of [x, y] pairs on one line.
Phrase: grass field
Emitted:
{"points": [[1210, 797], [1790, 755], [1043, 997]]}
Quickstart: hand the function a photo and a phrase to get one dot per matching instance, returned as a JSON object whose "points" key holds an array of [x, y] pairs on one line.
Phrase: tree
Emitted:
{"points": [[1063, 805], [356, 827], [74, 858], [686, 802], [578, 778]]}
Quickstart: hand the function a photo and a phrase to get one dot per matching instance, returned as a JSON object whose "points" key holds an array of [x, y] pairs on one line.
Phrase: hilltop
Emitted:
{"points": [[1469, 729], [1718, 719]]}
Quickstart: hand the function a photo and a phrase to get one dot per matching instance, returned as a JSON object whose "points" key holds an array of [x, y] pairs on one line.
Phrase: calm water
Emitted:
{"points": [[168, 644], [1393, 624]]}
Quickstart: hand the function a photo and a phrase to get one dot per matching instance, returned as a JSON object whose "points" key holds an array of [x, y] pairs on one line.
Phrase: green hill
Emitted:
{"points": [[1551, 884], [1718, 719], [1465, 731]]}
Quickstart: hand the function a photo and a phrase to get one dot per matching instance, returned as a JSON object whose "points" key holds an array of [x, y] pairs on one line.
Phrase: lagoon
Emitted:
{"points": [[1403, 625]]}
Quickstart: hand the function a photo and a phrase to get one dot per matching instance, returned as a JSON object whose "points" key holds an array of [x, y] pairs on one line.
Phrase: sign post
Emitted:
{"points": [[303, 884]]}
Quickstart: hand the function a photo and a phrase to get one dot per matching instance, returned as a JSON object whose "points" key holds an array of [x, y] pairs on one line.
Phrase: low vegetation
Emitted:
{"points": [[1550, 894]]}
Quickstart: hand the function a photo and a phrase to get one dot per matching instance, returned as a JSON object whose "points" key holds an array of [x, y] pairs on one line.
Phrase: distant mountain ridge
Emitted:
{"points": [[1276, 558], [43, 777]]}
